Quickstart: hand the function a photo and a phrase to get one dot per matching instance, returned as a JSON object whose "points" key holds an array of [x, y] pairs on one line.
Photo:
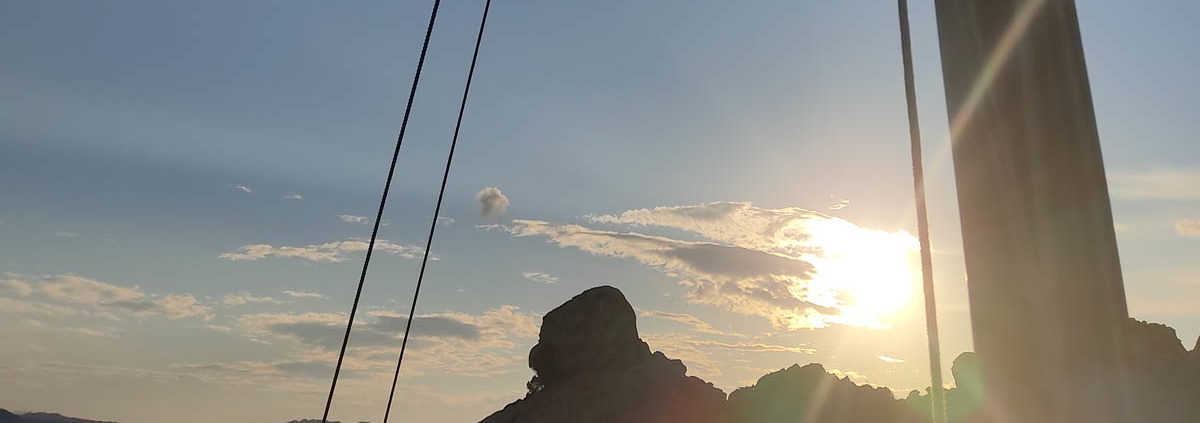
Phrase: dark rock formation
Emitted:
{"points": [[1164, 385], [809, 394], [592, 368]]}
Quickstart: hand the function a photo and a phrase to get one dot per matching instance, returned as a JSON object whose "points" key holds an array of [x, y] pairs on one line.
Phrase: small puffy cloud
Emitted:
{"points": [[887, 359], [294, 197], [349, 218], [243, 298], [492, 202], [329, 252], [243, 188], [1188, 228], [302, 294], [841, 204], [539, 277]]}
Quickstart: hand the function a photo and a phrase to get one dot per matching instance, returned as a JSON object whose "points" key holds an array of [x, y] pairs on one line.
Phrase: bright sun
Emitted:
{"points": [[867, 274]]}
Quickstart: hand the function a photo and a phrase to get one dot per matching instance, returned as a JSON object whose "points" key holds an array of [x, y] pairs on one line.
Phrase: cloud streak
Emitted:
{"points": [[302, 294], [1161, 184], [65, 295], [1187, 228], [329, 252], [539, 277]]}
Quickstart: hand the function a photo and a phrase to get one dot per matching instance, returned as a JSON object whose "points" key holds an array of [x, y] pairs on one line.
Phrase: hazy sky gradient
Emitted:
{"points": [[142, 140]]}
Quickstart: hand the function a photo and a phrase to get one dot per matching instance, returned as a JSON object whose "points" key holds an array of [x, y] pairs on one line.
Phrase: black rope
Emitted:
{"points": [[438, 208], [387, 186], [914, 133]]}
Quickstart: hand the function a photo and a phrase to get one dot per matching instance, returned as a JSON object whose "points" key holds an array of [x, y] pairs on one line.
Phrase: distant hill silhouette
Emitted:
{"points": [[591, 367], [8, 417]]}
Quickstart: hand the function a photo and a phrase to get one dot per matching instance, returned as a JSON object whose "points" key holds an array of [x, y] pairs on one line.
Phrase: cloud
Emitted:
{"points": [[744, 280], [687, 319], [349, 218], [841, 204], [243, 188], [492, 202], [94, 333], [82, 295], [1188, 228], [1162, 184], [65, 234], [16, 286], [302, 294], [539, 277], [329, 252], [296, 197], [797, 268], [460, 343], [243, 297], [11, 306], [445, 220], [887, 359]]}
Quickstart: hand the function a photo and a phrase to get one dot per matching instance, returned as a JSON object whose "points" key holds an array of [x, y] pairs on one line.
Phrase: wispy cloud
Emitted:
{"points": [[66, 234], [64, 295], [329, 252], [887, 359], [349, 218], [302, 294], [465, 344], [1161, 184], [690, 320], [445, 220], [795, 267], [539, 277], [1188, 228], [492, 202], [243, 298], [841, 204], [294, 197], [243, 188]]}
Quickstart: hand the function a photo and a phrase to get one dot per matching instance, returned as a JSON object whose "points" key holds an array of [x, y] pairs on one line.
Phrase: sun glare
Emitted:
{"points": [[868, 273]]}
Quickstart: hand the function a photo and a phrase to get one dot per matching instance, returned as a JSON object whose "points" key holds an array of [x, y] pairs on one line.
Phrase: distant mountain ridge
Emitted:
{"points": [[10, 417]]}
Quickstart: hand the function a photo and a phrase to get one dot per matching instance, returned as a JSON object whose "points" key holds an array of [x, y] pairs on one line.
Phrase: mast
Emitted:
{"points": [[1047, 301]]}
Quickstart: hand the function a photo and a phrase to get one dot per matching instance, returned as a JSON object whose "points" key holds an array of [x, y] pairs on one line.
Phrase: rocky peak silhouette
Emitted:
{"points": [[592, 368]]}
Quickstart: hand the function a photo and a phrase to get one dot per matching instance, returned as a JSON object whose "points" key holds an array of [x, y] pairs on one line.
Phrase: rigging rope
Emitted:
{"points": [[914, 131], [438, 208], [387, 185]]}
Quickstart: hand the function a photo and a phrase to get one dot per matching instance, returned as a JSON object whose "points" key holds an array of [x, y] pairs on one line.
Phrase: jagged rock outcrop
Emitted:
{"points": [[592, 368], [1165, 376]]}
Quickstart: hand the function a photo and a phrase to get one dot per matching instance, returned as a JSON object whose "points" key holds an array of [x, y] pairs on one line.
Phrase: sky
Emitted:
{"points": [[185, 191]]}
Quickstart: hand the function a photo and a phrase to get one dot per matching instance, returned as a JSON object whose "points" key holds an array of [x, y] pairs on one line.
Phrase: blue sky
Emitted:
{"points": [[126, 128]]}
